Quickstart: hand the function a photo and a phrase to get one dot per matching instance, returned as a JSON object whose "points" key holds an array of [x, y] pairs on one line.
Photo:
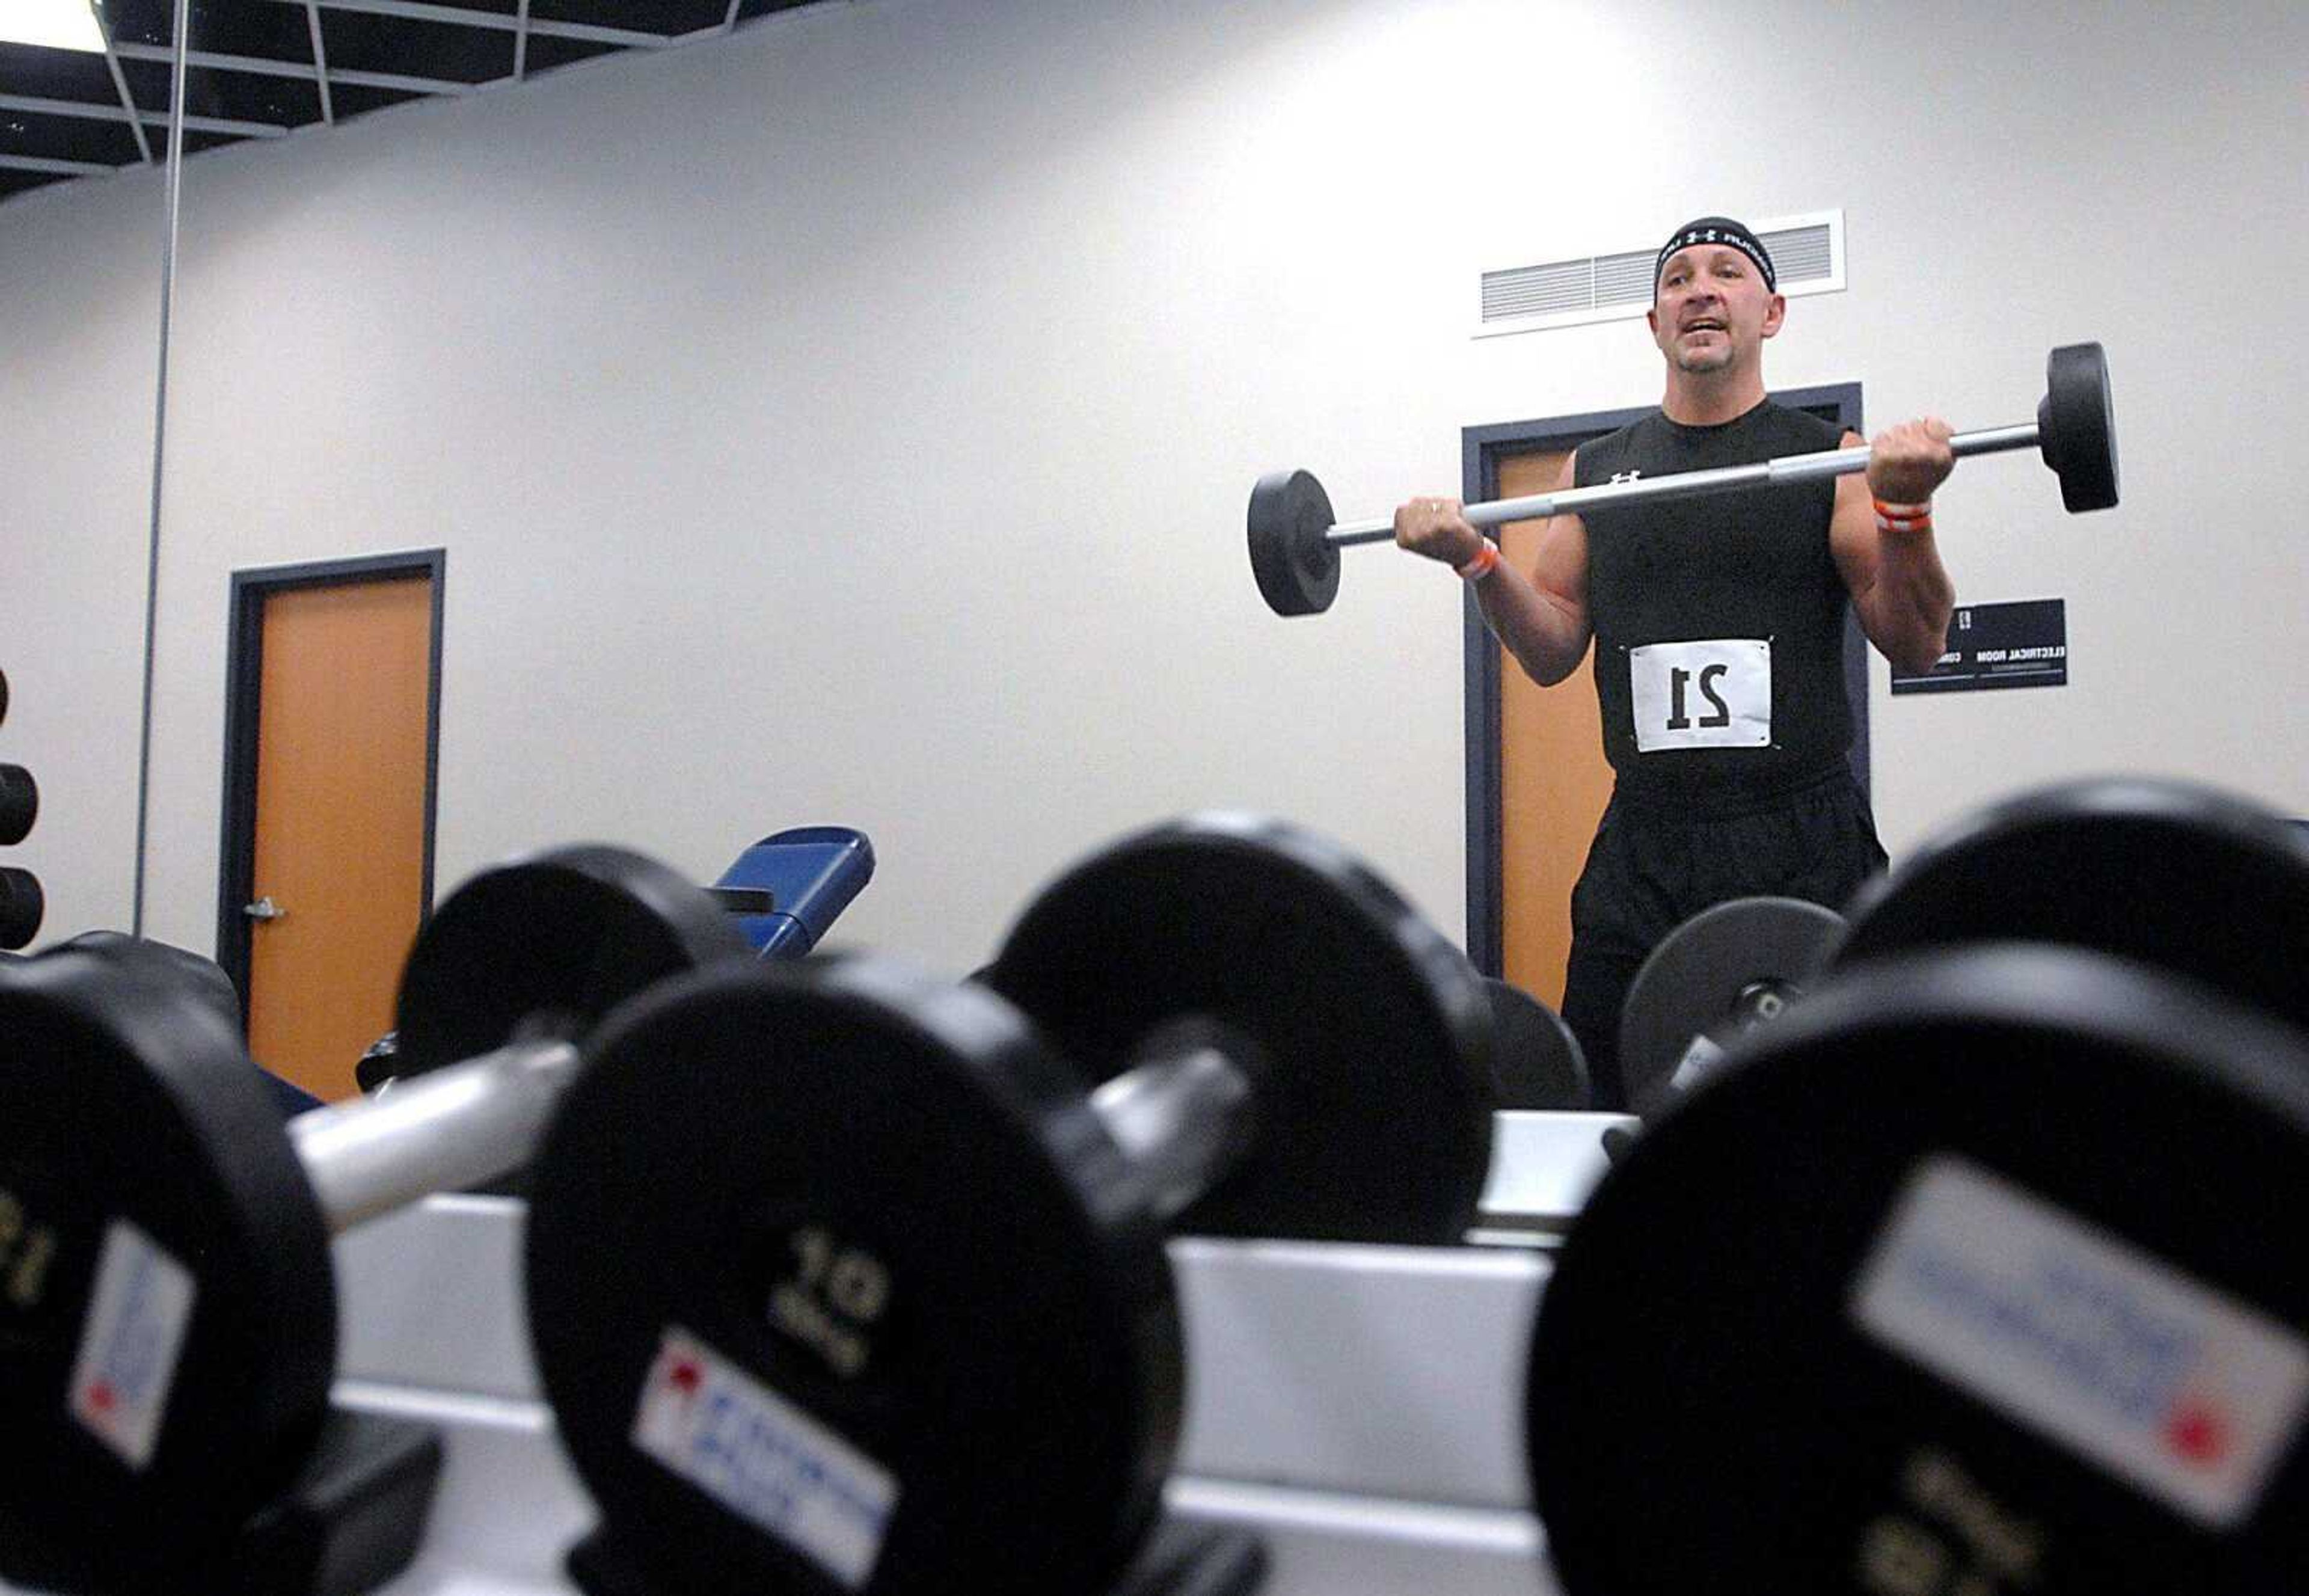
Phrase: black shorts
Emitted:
{"points": [[1655, 863]]}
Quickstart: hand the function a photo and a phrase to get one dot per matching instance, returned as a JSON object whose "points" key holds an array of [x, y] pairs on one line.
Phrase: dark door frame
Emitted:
{"points": [[1481, 450], [244, 680]]}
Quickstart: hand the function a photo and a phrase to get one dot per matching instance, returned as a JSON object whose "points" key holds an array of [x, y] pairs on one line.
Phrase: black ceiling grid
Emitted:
{"points": [[260, 69]]}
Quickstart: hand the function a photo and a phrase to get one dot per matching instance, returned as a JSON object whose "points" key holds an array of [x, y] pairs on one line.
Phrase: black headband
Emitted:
{"points": [[1716, 230]]}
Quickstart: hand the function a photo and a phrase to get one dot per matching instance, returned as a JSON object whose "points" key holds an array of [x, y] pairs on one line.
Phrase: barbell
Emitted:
{"points": [[1295, 543]]}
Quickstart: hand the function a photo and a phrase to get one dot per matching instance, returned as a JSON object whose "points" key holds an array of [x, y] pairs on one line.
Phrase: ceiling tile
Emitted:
{"points": [[242, 96], [67, 138], [254, 28], [547, 52], [54, 75], [666, 18], [357, 42]]}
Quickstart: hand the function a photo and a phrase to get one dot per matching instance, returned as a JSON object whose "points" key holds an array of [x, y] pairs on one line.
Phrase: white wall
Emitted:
{"points": [[851, 421], [80, 322]]}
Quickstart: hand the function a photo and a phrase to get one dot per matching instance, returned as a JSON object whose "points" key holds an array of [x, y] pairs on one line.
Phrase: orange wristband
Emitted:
{"points": [[1904, 517], [1486, 562]]}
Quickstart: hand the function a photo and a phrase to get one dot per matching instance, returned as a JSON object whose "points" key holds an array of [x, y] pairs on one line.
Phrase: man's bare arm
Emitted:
{"points": [[1899, 589], [1541, 618]]}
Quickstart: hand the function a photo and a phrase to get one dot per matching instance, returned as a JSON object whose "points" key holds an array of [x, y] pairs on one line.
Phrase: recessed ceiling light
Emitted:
{"points": [[58, 24]]}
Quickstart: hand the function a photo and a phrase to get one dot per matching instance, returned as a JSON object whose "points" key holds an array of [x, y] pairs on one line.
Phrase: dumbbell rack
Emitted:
{"points": [[1358, 1407]]}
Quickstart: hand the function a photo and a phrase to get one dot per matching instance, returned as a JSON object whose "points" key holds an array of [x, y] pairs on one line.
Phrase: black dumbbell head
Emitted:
{"points": [[2204, 883], [1536, 1060], [1372, 1035], [1708, 980], [1968, 1263], [842, 1237], [550, 944]]}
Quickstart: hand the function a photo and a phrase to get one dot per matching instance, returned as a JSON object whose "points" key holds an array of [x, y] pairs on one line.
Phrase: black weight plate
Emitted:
{"points": [[1001, 1372], [20, 804], [2076, 427], [1373, 1106], [1536, 1060], [1684, 1007], [1297, 568], [3, 697], [2199, 881], [550, 944], [1707, 1411], [138, 1138], [22, 907]]}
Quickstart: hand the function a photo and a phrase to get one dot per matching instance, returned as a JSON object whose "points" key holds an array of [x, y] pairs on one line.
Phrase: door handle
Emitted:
{"points": [[264, 909]]}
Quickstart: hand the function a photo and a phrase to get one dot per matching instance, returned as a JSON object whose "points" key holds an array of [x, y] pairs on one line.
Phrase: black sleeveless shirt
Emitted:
{"points": [[1748, 565]]}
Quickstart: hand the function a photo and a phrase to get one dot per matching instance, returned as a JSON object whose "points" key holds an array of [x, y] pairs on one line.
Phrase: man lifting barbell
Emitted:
{"points": [[1719, 630]]}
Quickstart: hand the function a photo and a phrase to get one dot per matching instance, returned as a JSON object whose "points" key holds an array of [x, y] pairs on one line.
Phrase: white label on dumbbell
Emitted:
{"points": [[766, 1460], [1702, 694], [137, 1315], [1697, 1063], [2187, 1394]]}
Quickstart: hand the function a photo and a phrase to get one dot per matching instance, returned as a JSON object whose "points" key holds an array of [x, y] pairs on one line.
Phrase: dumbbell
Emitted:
{"points": [[1536, 1062], [2020, 1313], [167, 1322], [1728, 968], [906, 1321], [1295, 544]]}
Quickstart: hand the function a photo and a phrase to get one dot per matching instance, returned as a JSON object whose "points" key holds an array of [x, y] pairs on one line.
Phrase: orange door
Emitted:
{"points": [[342, 738], [1554, 781]]}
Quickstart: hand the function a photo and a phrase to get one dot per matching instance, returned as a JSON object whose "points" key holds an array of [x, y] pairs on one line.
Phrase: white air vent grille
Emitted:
{"points": [[1539, 290], [1807, 253], [1626, 279]]}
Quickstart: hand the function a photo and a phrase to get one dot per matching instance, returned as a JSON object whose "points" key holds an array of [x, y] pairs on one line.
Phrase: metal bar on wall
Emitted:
{"points": [[160, 456]]}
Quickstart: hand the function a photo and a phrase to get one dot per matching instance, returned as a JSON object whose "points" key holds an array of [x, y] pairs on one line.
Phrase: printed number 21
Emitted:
{"points": [[1677, 678]]}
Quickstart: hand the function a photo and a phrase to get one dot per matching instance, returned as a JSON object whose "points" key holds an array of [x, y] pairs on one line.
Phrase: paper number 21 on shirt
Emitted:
{"points": [[1715, 694]]}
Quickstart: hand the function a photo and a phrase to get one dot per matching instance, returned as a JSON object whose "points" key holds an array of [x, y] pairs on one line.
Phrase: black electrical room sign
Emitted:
{"points": [[2023, 644]]}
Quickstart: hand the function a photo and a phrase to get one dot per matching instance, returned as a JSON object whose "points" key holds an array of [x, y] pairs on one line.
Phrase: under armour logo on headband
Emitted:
{"points": [[1716, 230]]}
